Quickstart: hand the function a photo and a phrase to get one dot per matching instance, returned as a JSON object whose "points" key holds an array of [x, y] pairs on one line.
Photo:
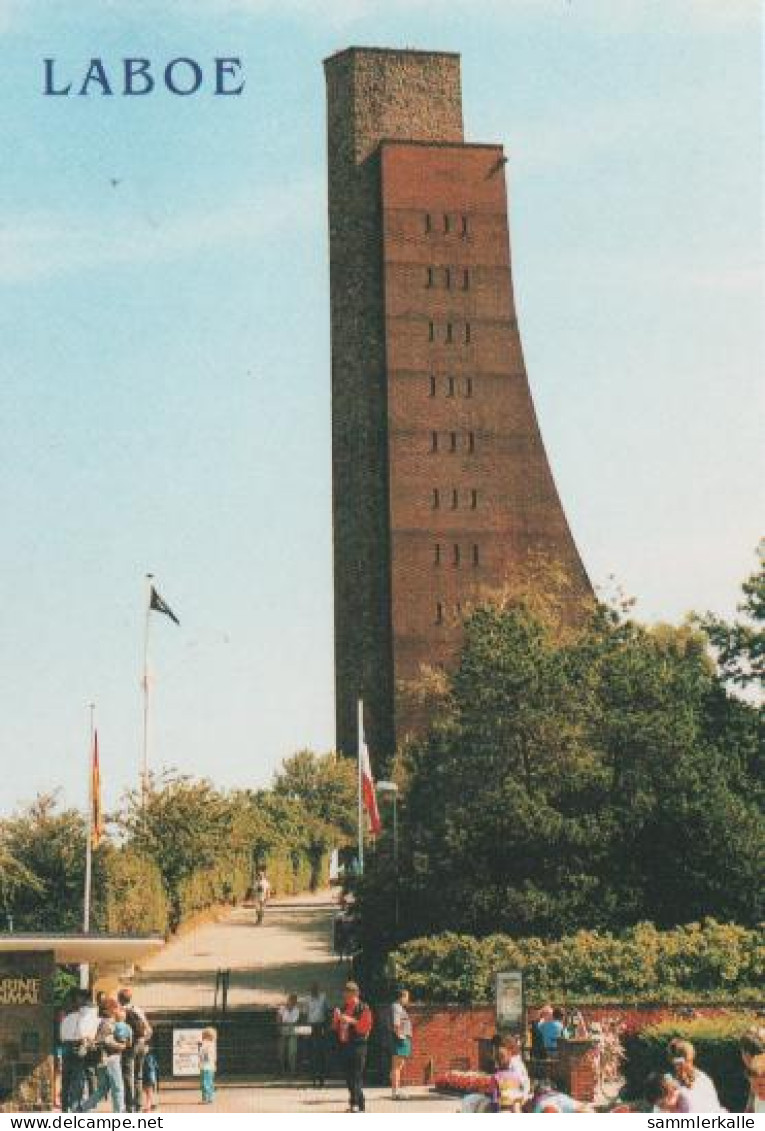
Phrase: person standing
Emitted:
{"points": [[288, 1016], [133, 1057], [68, 1041], [262, 895], [352, 1024], [150, 1082], [109, 1072], [316, 1016], [401, 1025], [208, 1064]]}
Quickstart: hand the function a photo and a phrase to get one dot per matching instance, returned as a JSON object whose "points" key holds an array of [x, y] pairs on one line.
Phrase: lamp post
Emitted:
{"points": [[390, 789]]}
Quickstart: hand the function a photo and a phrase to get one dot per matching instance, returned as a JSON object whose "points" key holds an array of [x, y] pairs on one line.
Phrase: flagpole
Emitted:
{"points": [[145, 749], [84, 969], [361, 788]]}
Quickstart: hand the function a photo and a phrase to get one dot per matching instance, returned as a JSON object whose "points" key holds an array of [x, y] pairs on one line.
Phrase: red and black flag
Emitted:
{"points": [[160, 606]]}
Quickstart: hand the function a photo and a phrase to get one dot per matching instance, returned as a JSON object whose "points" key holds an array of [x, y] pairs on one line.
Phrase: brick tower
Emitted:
{"points": [[441, 485]]}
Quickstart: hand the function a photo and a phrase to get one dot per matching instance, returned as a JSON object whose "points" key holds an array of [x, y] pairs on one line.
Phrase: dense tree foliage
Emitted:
{"points": [[740, 644], [182, 847], [588, 776]]}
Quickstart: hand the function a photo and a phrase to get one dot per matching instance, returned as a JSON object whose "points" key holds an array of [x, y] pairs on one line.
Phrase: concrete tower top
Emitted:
{"points": [[404, 95]]}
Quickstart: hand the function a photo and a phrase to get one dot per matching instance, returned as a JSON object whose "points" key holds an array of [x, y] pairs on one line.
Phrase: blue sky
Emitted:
{"points": [[164, 368]]}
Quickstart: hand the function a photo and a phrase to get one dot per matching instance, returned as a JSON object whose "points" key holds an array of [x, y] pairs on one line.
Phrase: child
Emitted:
{"points": [[122, 1030], [150, 1081], [208, 1059], [510, 1086], [664, 1093]]}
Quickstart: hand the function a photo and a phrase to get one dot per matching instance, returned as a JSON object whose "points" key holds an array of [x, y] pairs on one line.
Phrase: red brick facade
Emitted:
{"points": [[442, 487]]}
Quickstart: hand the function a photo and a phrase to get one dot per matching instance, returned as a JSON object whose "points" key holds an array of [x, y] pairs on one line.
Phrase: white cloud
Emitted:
{"points": [[42, 245]]}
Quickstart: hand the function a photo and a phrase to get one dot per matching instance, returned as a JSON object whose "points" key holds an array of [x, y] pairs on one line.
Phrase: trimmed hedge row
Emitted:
{"points": [[134, 899], [642, 964], [716, 1041]]}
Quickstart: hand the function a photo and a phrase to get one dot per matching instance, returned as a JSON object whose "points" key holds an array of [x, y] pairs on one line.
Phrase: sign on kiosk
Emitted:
{"points": [[508, 997], [186, 1051]]}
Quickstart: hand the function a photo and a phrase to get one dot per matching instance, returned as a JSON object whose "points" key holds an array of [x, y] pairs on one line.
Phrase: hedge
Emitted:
{"points": [[133, 897], [289, 873], [222, 883], [699, 961], [716, 1042]]}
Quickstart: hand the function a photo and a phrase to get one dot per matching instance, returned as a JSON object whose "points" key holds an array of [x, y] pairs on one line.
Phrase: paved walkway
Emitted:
{"points": [[290, 950], [276, 1098]]}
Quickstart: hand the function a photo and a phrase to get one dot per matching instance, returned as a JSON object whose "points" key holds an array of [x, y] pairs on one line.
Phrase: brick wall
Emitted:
{"points": [[446, 1037], [429, 389], [471, 491], [371, 94]]}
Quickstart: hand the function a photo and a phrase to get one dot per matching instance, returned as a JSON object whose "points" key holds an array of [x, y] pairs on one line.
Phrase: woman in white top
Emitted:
{"points": [[696, 1087]]}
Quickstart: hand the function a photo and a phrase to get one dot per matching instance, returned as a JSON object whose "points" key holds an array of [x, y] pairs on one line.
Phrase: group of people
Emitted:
{"points": [[682, 1088], [349, 1025], [685, 1088], [105, 1051]]}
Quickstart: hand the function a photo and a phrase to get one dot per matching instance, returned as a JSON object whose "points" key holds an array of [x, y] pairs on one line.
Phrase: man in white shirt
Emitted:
{"points": [[69, 1038], [289, 1016], [317, 1017]]}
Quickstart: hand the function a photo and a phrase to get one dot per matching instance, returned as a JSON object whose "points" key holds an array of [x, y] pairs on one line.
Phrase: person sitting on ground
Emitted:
{"points": [[696, 1086], [664, 1093], [547, 1099], [753, 1057], [510, 1085]]}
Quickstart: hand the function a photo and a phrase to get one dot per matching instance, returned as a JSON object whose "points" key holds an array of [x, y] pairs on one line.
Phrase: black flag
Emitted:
{"points": [[156, 602]]}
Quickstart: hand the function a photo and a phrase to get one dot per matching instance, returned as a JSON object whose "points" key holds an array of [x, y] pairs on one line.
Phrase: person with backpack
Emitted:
{"points": [[135, 1054], [352, 1024], [109, 1049]]}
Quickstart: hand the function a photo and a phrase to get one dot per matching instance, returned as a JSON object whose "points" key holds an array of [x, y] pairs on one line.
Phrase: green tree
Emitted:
{"points": [[15, 877], [49, 845], [324, 787], [185, 826], [740, 644], [592, 774]]}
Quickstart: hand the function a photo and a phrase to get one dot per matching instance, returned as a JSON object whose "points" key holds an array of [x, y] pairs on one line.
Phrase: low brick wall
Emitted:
{"points": [[446, 1037]]}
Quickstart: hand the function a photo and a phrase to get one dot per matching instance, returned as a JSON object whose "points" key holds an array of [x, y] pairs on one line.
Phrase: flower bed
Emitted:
{"points": [[463, 1083]]}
